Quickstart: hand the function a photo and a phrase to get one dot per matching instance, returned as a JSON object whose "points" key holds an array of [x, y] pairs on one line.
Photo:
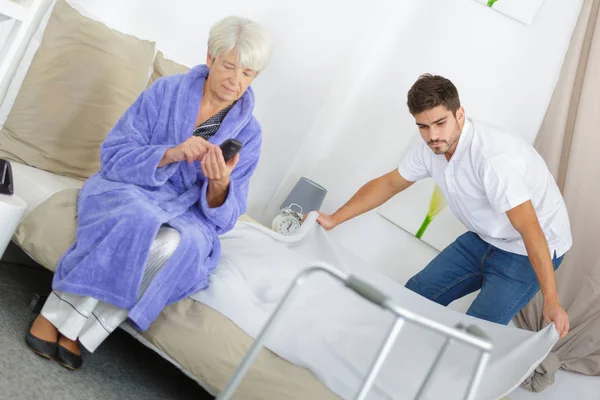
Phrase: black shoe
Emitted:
{"points": [[68, 359], [41, 347]]}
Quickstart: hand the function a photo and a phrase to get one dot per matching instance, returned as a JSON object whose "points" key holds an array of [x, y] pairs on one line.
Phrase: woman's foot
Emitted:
{"points": [[43, 329], [42, 338], [69, 353], [71, 345]]}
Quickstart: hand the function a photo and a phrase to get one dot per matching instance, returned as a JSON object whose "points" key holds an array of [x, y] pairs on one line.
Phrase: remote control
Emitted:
{"points": [[230, 148]]}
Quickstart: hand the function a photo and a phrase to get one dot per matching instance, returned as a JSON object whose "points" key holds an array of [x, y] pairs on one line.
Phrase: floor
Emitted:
{"points": [[121, 368], [567, 386]]}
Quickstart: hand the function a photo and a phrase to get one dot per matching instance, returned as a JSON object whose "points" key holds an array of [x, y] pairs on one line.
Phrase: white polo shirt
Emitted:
{"points": [[491, 172]]}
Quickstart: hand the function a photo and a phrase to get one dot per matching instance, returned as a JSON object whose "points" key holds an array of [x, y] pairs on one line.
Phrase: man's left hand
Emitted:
{"points": [[553, 312]]}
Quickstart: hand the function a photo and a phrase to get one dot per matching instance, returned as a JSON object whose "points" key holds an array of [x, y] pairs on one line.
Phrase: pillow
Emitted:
{"points": [[81, 80], [165, 67], [47, 232]]}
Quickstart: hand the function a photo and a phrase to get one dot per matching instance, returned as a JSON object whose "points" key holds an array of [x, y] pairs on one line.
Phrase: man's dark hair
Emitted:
{"points": [[430, 91]]}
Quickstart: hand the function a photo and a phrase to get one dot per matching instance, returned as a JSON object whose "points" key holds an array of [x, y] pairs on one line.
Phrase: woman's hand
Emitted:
{"points": [[215, 168], [217, 171], [191, 150]]}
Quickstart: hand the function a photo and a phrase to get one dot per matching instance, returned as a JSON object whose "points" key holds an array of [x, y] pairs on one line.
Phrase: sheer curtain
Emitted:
{"points": [[568, 141]]}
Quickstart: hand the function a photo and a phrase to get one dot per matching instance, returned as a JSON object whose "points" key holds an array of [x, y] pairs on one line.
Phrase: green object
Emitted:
{"points": [[491, 2], [424, 226], [436, 205]]}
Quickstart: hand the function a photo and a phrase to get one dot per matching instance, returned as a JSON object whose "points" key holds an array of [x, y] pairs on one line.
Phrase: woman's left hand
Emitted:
{"points": [[215, 168]]}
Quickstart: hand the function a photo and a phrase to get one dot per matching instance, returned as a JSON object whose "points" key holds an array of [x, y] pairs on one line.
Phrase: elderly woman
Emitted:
{"points": [[149, 220]]}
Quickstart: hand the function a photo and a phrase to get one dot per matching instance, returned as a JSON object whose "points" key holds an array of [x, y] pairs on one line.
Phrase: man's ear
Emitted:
{"points": [[460, 114]]}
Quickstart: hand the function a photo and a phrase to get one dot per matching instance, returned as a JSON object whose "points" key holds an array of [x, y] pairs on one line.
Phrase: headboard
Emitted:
{"points": [[27, 16]]}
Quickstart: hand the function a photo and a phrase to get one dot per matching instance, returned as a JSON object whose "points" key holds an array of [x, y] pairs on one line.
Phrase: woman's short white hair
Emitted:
{"points": [[248, 37]]}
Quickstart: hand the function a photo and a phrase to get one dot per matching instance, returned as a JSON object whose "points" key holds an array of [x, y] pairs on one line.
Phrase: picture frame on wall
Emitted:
{"points": [[521, 10], [422, 211]]}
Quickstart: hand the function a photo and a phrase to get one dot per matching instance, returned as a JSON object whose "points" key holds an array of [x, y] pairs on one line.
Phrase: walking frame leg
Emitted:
{"points": [[258, 344], [378, 362], [440, 354], [474, 385]]}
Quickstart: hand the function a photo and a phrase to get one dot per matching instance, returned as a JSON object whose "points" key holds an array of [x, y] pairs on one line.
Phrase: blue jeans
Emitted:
{"points": [[507, 280]]}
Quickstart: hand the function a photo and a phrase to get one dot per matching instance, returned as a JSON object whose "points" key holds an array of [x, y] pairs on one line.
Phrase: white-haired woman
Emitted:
{"points": [[149, 220]]}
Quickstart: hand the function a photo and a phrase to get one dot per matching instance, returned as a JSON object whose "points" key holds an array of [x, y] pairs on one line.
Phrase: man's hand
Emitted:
{"points": [[191, 150], [553, 312], [326, 221]]}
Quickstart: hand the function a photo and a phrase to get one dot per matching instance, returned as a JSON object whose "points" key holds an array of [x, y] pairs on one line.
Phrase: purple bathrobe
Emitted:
{"points": [[121, 208]]}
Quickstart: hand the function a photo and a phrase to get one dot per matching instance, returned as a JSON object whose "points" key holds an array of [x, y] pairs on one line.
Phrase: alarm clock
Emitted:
{"points": [[288, 221]]}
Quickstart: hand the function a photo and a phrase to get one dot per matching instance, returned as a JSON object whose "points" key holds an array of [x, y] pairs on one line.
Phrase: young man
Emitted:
{"points": [[499, 187]]}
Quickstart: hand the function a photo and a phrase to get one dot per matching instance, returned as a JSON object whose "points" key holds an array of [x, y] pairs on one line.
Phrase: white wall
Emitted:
{"points": [[504, 70], [5, 27]]}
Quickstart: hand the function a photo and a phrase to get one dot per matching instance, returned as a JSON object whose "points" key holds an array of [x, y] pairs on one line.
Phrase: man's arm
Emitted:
{"points": [[524, 219], [371, 195]]}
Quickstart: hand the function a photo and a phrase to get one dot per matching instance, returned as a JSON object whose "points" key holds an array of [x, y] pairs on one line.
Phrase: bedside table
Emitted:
{"points": [[12, 209]]}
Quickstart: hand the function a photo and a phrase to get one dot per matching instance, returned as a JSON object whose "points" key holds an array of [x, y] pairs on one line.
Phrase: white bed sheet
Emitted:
{"points": [[335, 334], [34, 186]]}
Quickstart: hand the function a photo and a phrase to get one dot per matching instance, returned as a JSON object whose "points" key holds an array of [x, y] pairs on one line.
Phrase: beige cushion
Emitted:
{"points": [[47, 232], [210, 346], [247, 218], [81, 80], [165, 67]]}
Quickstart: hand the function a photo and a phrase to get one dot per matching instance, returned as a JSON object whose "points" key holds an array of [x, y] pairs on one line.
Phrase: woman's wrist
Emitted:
{"points": [[217, 192], [168, 158], [219, 184]]}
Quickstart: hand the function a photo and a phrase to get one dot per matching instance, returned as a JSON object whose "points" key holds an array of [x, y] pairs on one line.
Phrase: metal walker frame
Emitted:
{"points": [[471, 335]]}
